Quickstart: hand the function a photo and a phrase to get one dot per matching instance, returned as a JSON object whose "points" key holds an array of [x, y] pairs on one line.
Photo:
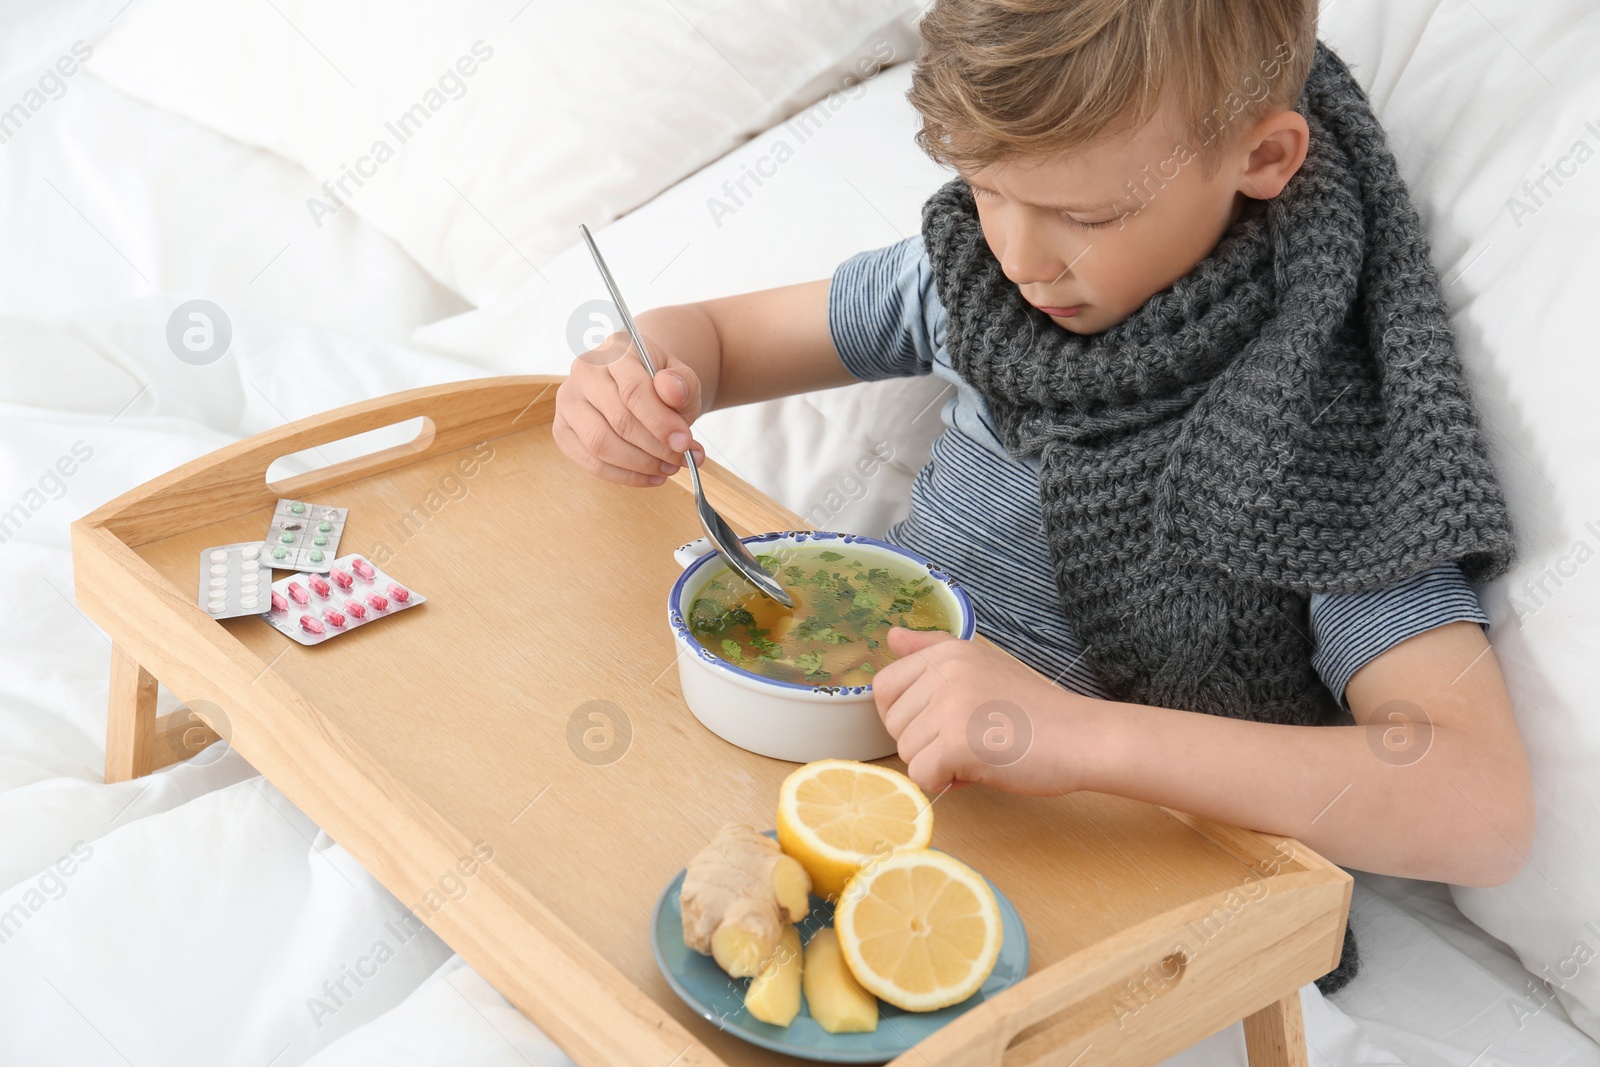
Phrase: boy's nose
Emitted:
{"points": [[1028, 261]]}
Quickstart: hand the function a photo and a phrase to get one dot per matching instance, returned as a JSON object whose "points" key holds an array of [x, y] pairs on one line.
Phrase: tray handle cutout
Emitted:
{"points": [[330, 463], [235, 478]]}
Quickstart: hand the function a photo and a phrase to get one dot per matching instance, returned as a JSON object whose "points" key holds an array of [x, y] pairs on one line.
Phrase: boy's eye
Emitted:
{"points": [[979, 191], [1087, 225]]}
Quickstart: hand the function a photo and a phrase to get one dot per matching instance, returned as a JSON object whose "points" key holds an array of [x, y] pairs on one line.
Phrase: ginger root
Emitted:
{"points": [[738, 893]]}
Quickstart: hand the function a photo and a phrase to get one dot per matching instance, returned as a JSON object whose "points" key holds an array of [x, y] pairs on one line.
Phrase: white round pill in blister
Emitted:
{"points": [[219, 583], [248, 602], [250, 551], [217, 605], [219, 556], [219, 568], [249, 566]]}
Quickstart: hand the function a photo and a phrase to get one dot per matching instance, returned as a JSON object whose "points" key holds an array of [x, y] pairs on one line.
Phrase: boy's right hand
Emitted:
{"points": [[614, 419]]}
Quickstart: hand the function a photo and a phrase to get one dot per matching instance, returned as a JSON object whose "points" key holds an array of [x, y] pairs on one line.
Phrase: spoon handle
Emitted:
{"points": [[616, 298]]}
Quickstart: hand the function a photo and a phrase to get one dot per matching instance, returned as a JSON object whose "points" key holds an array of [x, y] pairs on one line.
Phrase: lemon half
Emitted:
{"points": [[835, 816], [919, 929]]}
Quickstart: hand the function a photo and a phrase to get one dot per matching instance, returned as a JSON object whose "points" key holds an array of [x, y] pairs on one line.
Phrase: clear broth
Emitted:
{"points": [[844, 604]]}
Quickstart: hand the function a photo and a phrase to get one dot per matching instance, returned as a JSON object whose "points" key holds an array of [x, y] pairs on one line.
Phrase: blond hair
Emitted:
{"points": [[1000, 79]]}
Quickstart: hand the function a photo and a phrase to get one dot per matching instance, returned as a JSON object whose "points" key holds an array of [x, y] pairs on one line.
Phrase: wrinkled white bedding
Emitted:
{"points": [[197, 917]]}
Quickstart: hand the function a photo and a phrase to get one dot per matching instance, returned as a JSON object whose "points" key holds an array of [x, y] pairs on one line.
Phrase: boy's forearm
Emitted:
{"points": [[1323, 785], [754, 346]]}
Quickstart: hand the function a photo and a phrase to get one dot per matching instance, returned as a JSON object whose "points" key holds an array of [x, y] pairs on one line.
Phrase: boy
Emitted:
{"points": [[1211, 461]]}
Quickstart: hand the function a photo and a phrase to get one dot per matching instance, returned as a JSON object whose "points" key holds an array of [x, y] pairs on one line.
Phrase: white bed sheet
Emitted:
{"points": [[205, 912]]}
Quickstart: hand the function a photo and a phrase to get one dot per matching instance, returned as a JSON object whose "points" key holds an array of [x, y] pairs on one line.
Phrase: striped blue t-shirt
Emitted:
{"points": [[975, 507]]}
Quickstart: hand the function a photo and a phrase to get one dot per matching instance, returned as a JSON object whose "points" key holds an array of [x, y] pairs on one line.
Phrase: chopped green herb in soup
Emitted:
{"points": [[844, 605]]}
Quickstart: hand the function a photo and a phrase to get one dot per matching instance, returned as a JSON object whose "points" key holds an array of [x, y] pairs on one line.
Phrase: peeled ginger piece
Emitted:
{"points": [[791, 887], [835, 998], [774, 994]]}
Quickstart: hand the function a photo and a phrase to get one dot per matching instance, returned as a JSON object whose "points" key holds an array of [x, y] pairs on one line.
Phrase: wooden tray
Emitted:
{"points": [[451, 727]]}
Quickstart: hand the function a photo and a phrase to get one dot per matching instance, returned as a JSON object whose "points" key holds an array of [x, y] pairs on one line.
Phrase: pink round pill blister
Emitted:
{"points": [[312, 626], [334, 618], [399, 592], [355, 609], [278, 602], [298, 594], [341, 579], [363, 569], [378, 601], [320, 587]]}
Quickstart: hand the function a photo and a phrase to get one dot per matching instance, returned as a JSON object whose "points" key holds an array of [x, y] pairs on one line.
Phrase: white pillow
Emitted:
{"points": [[840, 177], [34, 37], [1478, 99], [479, 134]]}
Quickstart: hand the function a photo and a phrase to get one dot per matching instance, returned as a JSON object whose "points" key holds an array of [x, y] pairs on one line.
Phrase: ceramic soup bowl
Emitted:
{"points": [[790, 720]]}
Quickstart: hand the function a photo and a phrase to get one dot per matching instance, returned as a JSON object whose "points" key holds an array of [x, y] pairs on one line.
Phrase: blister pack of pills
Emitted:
{"points": [[233, 580], [303, 537], [311, 608]]}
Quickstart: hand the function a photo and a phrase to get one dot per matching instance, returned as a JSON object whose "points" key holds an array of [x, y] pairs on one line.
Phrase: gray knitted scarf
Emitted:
{"points": [[1288, 418]]}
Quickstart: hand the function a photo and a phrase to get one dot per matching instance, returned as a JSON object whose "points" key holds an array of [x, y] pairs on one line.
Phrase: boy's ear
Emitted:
{"points": [[1276, 146]]}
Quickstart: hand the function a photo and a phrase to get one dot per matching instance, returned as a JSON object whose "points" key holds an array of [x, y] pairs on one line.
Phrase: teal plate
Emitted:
{"points": [[720, 999]]}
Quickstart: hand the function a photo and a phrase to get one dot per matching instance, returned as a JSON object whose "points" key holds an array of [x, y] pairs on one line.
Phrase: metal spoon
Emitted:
{"points": [[727, 542]]}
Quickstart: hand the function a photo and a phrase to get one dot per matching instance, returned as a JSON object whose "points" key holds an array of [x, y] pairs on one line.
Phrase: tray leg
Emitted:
{"points": [[1275, 1036], [130, 719]]}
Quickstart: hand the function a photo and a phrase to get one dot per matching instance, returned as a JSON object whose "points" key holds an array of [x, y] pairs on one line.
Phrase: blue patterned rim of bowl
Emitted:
{"points": [[681, 627]]}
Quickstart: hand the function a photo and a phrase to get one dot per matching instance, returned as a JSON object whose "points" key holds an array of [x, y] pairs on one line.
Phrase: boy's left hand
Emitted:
{"points": [[964, 711]]}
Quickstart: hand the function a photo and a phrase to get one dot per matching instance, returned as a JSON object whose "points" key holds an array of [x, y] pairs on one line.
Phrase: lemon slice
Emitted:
{"points": [[835, 815], [919, 929]]}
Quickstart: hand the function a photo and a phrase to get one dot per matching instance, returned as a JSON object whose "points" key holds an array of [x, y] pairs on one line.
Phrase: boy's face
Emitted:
{"points": [[1091, 235]]}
